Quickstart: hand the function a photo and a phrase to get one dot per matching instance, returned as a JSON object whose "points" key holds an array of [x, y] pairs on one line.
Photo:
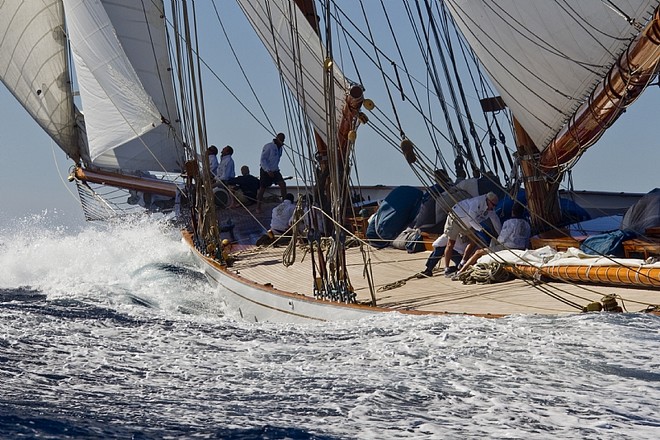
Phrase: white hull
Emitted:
{"points": [[259, 288], [259, 303]]}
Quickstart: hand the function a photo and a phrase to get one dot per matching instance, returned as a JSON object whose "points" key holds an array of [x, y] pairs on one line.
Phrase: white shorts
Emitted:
{"points": [[453, 228]]}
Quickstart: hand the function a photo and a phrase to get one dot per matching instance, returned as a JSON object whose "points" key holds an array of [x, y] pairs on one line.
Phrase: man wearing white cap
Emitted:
{"points": [[465, 215]]}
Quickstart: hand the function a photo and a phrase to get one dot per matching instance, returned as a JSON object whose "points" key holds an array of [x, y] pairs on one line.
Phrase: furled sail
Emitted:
{"points": [[120, 54], [546, 57], [33, 66], [297, 51]]}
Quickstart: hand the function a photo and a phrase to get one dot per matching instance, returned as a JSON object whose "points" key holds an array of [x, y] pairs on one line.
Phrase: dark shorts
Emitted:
{"points": [[265, 180]]}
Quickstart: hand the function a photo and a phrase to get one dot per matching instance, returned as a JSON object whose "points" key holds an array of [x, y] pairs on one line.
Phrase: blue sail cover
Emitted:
{"points": [[395, 213], [571, 212], [610, 243]]}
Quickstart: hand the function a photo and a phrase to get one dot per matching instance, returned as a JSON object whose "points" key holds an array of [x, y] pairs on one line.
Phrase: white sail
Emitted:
{"points": [[121, 61], [545, 57], [296, 50], [33, 66]]}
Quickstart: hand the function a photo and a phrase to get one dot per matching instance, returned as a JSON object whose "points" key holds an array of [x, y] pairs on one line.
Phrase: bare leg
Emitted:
{"points": [[468, 251], [449, 250], [282, 188], [473, 259], [260, 196]]}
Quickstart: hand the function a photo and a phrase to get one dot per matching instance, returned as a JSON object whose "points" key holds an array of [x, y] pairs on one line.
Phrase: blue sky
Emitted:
{"points": [[34, 170]]}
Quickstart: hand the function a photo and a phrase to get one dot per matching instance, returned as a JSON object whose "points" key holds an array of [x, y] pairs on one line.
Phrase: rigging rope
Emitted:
{"points": [[432, 72], [450, 85], [380, 65]]}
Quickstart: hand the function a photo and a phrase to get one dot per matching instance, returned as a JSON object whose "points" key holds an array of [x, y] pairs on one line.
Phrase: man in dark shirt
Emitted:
{"points": [[246, 186]]}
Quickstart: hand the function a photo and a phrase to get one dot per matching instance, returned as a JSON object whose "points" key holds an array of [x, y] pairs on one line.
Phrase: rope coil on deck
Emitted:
{"points": [[484, 274]]}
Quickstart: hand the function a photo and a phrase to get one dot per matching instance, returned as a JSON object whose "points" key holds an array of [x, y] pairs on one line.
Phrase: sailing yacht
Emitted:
{"points": [[500, 96]]}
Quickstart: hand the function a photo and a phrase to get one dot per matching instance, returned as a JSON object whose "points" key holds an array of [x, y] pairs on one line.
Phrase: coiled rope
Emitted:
{"points": [[483, 273]]}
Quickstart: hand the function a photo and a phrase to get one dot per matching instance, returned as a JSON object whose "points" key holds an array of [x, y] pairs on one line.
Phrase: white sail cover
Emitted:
{"points": [[33, 65], [296, 49], [121, 61], [545, 56]]}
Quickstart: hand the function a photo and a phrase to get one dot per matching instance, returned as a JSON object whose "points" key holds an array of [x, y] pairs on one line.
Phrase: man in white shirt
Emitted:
{"points": [[269, 173], [515, 231], [465, 215], [439, 246], [226, 169], [279, 222], [514, 235], [212, 154]]}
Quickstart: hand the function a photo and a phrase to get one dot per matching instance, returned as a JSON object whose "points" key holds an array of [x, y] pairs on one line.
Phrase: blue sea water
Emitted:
{"points": [[111, 332]]}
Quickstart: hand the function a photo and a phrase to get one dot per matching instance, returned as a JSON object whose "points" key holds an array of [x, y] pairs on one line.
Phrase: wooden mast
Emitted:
{"points": [[542, 195], [336, 279], [350, 112]]}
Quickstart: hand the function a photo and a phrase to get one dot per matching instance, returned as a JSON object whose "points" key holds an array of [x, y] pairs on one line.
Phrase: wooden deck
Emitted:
{"points": [[437, 294], [397, 288]]}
